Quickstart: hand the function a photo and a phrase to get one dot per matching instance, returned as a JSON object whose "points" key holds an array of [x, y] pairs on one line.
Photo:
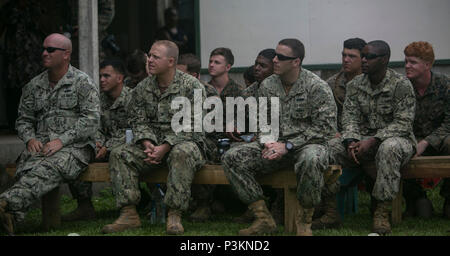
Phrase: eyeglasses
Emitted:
{"points": [[52, 49], [371, 56], [282, 57]]}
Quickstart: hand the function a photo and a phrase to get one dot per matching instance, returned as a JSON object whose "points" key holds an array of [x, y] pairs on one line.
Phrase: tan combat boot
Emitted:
{"points": [[304, 221], [173, 225], [381, 218], [6, 219], [128, 219], [331, 218], [84, 211], [263, 223]]}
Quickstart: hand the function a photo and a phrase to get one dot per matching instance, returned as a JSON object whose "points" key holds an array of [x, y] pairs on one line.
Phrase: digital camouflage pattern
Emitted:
{"points": [[69, 112], [432, 120], [432, 123], [113, 124], [385, 112], [338, 84], [150, 118], [114, 119], [307, 113], [308, 120], [252, 90]]}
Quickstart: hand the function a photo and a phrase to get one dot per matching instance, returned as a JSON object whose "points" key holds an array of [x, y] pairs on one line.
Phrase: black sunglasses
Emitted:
{"points": [[52, 49], [371, 56], [282, 57]]}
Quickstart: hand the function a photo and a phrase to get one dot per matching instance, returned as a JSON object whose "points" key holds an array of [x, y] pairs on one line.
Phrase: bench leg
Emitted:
{"points": [[51, 215], [290, 209], [396, 214]]}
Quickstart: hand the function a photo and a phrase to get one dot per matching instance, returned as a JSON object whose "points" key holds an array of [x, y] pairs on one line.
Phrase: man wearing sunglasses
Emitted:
{"points": [[59, 114], [431, 124], [307, 120], [377, 124]]}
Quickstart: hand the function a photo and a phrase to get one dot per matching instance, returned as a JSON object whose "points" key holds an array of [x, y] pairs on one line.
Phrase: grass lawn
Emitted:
{"points": [[358, 224]]}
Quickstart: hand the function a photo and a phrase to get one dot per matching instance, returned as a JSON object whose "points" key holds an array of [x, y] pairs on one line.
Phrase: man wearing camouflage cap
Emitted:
{"points": [[59, 113]]}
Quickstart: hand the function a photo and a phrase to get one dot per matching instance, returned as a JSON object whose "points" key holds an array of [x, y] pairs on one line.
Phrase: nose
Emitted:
{"points": [[275, 59]]}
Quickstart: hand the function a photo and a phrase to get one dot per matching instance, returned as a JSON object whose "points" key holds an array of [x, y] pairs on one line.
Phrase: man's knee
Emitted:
{"points": [[314, 156]]}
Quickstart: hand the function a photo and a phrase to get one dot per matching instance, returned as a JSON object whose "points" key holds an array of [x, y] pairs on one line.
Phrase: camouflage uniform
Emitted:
{"points": [[338, 84], [150, 117], [432, 123], [307, 120], [69, 112], [113, 123], [386, 113]]}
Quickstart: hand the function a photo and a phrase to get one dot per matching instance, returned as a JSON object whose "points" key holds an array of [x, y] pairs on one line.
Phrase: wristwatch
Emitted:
{"points": [[289, 145]]}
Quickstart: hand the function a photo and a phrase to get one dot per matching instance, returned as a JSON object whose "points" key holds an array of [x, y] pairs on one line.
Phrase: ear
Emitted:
{"points": [[297, 62], [120, 77], [228, 67]]}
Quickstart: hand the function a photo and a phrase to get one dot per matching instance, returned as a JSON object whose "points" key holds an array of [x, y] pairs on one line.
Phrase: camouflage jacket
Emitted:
{"points": [[233, 90], [307, 112], [150, 110], [432, 121], [252, 90], [338, 84], [69, 112], [114, 119], [383, 112]]}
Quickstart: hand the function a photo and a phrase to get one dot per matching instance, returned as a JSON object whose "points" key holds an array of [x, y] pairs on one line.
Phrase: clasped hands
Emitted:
{"points": [[49, 149], [155, 154], [358, 149], [274, 151]]}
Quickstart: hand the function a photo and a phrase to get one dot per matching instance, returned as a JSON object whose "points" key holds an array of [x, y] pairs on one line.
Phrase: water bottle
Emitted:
{"points": [[158, 208]]}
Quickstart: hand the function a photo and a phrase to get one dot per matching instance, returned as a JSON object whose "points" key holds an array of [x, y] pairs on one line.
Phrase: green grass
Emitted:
{"points": [[358, 224]]}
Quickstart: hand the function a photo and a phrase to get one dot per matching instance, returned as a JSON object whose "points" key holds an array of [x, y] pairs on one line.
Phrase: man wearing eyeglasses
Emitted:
{"points": [[307, 120], [377, 124], [431, 124], [59, 114]]}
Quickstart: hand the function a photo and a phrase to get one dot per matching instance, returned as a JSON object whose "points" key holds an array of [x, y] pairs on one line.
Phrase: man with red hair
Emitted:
{"points": [[431, 124]]}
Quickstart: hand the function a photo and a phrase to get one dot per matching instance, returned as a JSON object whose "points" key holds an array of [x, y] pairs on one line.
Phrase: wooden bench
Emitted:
{"points": [[209, 174], [421, 167]]}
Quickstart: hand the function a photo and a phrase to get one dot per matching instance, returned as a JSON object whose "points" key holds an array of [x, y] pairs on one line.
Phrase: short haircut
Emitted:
{"points": [[115, 63], [226, 53], [267, 53], [297, 47], [421, 50], [191, 61], [136, 62], [172, 49], [382, 47], [355, 43]]}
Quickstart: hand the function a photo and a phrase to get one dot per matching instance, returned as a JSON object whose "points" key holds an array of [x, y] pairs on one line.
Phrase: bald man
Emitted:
{"points": [[59, 114], [155, 143]]}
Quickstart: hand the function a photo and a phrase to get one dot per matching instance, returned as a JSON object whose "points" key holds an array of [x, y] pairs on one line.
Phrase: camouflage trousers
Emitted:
{"points": [[126, 163], [242, 164], [389, 157], [411, 187], [204, 194], [42, 176]]}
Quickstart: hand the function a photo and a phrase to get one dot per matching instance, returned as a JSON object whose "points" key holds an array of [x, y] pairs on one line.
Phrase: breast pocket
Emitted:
{"points": [[299, 108], [384, 106], [67, 99]]}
